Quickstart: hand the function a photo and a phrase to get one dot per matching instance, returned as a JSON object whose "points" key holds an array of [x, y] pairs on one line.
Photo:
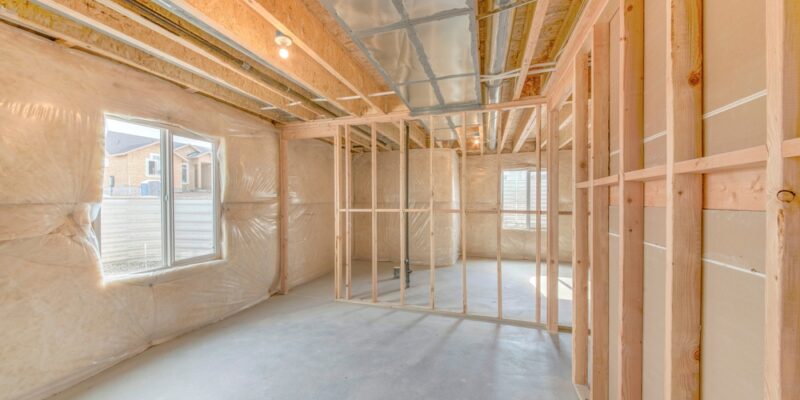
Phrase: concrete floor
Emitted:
{"points": [[305, 346], [519, 290]]}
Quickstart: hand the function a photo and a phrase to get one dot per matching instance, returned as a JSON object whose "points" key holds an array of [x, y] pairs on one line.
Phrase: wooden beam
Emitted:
{"points": [[524, 130], [537, 23], [580, 220], [782, 330], [631, 208], [417, 134], [499, 234], [125, 25], [511, 122], [598, 198], [237, 22], [552, 224], [406, 115], [684, 199], [309, 35], [36, 18]]}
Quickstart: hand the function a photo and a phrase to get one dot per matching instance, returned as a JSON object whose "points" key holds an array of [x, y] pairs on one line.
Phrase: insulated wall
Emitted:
{"points": [[310, 172], [60, 321]]}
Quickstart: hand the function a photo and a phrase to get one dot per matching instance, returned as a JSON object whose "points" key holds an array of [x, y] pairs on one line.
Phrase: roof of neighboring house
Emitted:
{"points": [[120, 143]]}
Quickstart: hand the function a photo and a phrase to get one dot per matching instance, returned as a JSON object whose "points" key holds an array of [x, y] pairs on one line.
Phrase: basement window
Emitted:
{"points": [[519, 194], [160, 204]]}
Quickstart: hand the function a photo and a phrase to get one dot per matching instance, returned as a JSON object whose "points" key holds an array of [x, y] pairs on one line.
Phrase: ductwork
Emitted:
{"points": [[499, 39]]}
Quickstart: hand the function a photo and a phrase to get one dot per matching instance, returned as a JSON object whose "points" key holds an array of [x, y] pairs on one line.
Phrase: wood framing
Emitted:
{"points": [[539, 127], [337, 243], [631, 206], [552, 221], [499, 224], [580, 220], [598, 199], [283, 206], [374, 202], [348, 201], [432, 242], [238, 22], [782, 330], [530, 45], [310, 36], [153, 53], [462, 198], [404, 132], [684, 219]]}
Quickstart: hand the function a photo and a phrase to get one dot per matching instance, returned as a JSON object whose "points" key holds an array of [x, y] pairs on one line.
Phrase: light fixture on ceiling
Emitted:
{"points": [[284, 42]]}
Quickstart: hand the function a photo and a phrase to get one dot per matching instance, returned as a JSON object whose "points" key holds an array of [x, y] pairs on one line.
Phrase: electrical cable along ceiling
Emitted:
{"points": [[426, 50]]}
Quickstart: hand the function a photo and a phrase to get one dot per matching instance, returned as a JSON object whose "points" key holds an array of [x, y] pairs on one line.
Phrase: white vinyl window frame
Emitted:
{"points": [[168, 196]]}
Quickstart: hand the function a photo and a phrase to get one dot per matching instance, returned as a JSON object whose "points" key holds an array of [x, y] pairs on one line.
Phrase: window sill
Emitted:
{"points": [[154, 277]]}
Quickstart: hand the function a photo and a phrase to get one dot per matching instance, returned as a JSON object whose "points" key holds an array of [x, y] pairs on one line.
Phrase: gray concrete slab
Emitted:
{"points": [[305, 346]]}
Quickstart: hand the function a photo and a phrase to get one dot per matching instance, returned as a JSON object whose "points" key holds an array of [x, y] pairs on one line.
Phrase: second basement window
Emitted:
{"points": [[519, 194], [160, 204]]}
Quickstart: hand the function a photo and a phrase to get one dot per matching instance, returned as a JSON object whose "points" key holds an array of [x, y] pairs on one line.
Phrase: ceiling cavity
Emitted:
{"points": [[426, 50]]}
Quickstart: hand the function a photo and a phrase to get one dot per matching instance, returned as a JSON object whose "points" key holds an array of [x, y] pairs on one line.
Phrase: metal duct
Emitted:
{"points": [[499, 39]]}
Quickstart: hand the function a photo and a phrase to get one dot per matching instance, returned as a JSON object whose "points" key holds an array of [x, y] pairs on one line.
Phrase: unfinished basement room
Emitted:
{"points": [[400, 199]]}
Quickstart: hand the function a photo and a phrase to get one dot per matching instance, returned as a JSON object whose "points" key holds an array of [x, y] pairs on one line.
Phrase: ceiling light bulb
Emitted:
{"points": [[284, 53]]}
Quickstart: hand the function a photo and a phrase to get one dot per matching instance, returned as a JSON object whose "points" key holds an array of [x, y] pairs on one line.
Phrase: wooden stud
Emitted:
{"points": [[499, 224], [337, 249], [598, 198], [403, 215], [462, 201], [631, 208], [348, 193], [538, 150], [374, 188], [782, 330], [683, 295], [283, 192], [580, 220], [552, 222], [432, 255]]}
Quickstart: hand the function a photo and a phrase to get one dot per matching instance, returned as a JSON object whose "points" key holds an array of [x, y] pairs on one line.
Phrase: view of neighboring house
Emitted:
{"points": [[133, 166]]}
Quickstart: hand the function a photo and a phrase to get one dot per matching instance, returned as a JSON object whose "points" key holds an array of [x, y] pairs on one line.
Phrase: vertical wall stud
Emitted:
{"points": [[580, 220], [348, 199], [552, 220], [402, 214], [283, 190], [631, 198], [337, 181], [684, 199], [499, 207], [782, 346], [538, 311], [432, 282], [374, 164], [462, 201], [598, 198]]}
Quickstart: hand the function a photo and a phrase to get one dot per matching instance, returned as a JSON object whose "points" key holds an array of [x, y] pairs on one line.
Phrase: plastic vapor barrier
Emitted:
{"points": [[62, 320]]}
